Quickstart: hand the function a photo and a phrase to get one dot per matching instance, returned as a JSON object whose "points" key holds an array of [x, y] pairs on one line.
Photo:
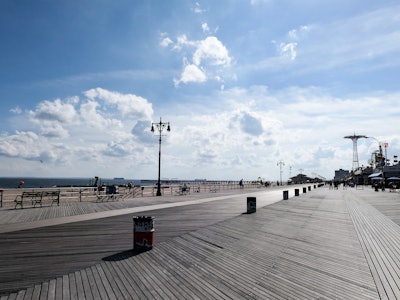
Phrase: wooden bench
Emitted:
{"points": [[108, 197], [54, 196], [183, 190], [111, 194], [37, 198], [213, 189]]}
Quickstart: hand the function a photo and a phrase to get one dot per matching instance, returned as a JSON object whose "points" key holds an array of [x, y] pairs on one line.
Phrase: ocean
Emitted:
{"points": [[37, 182]]}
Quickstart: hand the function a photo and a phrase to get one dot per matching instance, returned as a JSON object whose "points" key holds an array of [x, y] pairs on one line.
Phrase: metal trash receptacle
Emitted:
{"points": [[304, 190], [285, 195], [296, 192], [143, 233], [251, 205]]}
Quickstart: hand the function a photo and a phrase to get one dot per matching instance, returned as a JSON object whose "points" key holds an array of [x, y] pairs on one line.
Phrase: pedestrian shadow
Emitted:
{"points": [[122, 255]]}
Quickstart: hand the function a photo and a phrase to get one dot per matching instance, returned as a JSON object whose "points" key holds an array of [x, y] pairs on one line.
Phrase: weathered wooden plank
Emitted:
{"points": [[106, 283], [175, 276], [154, 264], [186, 285], [143, 283], [72, 287], [51, 294], [157, 284], [80, 291], [99, 283], [115, 282], [36, 291], [21, 295], [373, 233], [123, 281], [126, 268], [86, 286], [44, 291], [92, 284]]}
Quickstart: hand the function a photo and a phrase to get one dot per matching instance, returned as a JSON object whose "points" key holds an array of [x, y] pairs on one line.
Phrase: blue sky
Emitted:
{"points": [[244, 84]]}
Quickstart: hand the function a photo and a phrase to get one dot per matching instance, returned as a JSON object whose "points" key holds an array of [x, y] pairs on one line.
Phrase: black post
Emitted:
{"points": [[160, 126], [159, 166]]}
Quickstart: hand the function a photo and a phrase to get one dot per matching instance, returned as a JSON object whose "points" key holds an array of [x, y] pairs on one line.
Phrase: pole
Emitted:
{"points": [[160, 126], [280, 163], [159, 165]]}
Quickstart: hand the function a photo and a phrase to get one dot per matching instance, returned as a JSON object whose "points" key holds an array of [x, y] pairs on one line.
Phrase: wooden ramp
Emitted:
{"points": [[327, 244]]}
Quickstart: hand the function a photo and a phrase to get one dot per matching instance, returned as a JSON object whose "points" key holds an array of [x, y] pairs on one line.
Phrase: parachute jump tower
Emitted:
{"points": [[355, 138]]}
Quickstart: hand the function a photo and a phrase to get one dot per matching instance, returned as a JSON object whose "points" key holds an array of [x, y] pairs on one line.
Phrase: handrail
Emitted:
{"points": [[89, 194]]}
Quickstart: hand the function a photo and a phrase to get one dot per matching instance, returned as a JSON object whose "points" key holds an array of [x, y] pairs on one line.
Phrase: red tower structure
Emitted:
{"points": [[355, 138]]}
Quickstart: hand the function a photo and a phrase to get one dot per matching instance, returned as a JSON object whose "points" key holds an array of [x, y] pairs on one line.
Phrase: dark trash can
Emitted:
{"points": [[309, 188], [143, 233], [251, 205], [285, 195], [296, 192], [304, 190]]}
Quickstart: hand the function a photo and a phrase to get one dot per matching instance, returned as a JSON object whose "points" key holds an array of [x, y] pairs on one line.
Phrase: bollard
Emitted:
{"points": [[285, 195], [143, 233], [309, 188], [1, 198], [296, 192], [251, 205], [304, 190]]}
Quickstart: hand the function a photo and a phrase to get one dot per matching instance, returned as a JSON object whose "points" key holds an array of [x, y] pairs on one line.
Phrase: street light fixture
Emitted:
{"points": [[160, 126], [280, 164]]}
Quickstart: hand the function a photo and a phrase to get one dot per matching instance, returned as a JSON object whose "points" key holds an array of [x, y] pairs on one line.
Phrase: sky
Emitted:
{"points": [[244, 85]]}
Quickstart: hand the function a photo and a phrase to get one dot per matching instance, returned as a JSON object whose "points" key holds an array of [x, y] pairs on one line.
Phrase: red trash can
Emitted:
{"points": [[143, 233]]}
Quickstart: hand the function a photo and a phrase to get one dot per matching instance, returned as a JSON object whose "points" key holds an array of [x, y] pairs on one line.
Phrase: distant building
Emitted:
{"points": [[341, 175], [362, 176], [391, 171], [301, 178]]}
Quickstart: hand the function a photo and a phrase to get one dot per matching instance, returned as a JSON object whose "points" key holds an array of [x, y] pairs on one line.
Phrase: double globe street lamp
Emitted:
{"points": [[160, 126], [280, 164]]}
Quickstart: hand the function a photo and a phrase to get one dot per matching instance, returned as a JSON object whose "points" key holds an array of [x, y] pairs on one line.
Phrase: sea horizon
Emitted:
{"points": [[49, 182]]}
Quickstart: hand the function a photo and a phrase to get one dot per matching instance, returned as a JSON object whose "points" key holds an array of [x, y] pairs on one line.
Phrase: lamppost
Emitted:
{"points": [[160, 127], [280, 164]]}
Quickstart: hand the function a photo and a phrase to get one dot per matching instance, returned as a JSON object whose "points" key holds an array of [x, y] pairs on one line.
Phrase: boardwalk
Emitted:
{"points": [[325, 244]]}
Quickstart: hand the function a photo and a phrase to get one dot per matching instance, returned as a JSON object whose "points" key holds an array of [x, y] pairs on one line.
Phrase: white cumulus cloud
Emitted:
{"points": [[203, 59]]}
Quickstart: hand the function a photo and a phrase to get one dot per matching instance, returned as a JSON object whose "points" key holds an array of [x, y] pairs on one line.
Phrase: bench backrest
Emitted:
{"points": [[31, 194]]}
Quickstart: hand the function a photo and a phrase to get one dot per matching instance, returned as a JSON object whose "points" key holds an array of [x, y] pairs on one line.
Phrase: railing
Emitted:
{"points": [[90, 194]]}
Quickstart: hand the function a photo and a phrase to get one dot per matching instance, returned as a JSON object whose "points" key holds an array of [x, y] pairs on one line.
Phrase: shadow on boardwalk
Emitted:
{"points": [[122, 255]]}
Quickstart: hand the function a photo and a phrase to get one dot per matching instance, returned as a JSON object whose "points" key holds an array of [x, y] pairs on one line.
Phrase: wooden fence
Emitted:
{"points": [[96, 194]]}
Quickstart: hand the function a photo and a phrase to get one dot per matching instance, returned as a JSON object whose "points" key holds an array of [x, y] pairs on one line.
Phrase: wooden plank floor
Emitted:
{"points": [[380, 239], [316, 246], [25, 255]]}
